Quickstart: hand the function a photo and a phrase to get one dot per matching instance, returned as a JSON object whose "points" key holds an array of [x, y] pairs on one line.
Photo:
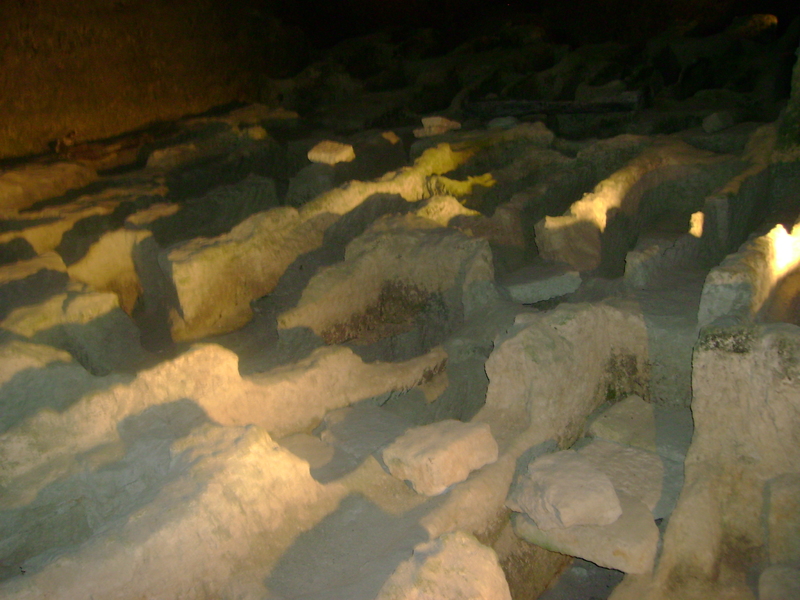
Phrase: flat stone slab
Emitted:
{"points": [[564, 489], [628, 545], [435, 126], [454, 566], [636, 472], [329, 152], [541, 282], [630, 422], [434, 457]]}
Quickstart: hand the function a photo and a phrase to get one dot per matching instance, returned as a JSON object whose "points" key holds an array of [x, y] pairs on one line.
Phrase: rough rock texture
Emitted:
{"points": [[779, 583], [89, 325], [630, 422], [434, 457], [550, 371], [70, 228], [215, 279], [564, 490], [409, 182], [455, 566], [399, 260], [743, 285], [436, 126], [746, 432], [441, 209], [30, 281], [330, 153], [541, 282], [206, 378], [28, 372], [108, 266], [87, 461], [219, 492], [637, 473], [628, 545], [21, 188], [783, 519]]}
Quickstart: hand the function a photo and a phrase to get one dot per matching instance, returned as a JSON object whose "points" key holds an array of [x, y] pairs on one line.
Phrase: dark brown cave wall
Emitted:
{"points": [[790, 123], [103, 67]]}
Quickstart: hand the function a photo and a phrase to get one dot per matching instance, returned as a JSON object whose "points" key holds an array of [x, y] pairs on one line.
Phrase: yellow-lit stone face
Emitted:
{"points": [[785, 255], [696, 224]]}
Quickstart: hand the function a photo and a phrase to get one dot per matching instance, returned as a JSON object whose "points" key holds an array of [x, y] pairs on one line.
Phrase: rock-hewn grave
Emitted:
{"points": [[346, 355]]}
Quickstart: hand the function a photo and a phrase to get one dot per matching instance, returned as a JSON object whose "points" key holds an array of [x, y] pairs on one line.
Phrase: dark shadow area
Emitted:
{"points": [[674, 429], [94, 188], [16, 250], [349, 554], [30, 290], [357, 433], [106, 344], [7, 225], [76, 242], [56, 386], [217, 211], [262, 330], [227, 164], [584, 580], [616, 240], [152, 310]]}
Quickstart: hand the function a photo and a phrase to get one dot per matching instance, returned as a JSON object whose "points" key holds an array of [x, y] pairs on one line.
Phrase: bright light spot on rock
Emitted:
{"points": [[785, 248], [696, 224]]}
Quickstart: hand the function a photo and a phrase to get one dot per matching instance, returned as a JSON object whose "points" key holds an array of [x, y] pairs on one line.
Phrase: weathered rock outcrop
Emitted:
{"points": [[455, 566], [253, 255], [388, 275]]}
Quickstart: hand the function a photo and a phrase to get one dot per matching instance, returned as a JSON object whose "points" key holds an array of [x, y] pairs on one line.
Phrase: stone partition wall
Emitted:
{"points": [[744, 285], [747, 426]]}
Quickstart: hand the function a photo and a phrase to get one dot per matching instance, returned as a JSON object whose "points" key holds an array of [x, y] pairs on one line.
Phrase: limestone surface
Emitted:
{"points": [[779, 583], [746, 425], [434, 457], [436, 126], [630, 422], [541, 282], [23, 187], [223, 489], [329, 152], [628, 545], [283, 401], [575, 238], [403, 260], [89, 325], [108, 266], [540, 369], [454, 566], [634, 471], [783, 519], [564, 490], [215, 279]]}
